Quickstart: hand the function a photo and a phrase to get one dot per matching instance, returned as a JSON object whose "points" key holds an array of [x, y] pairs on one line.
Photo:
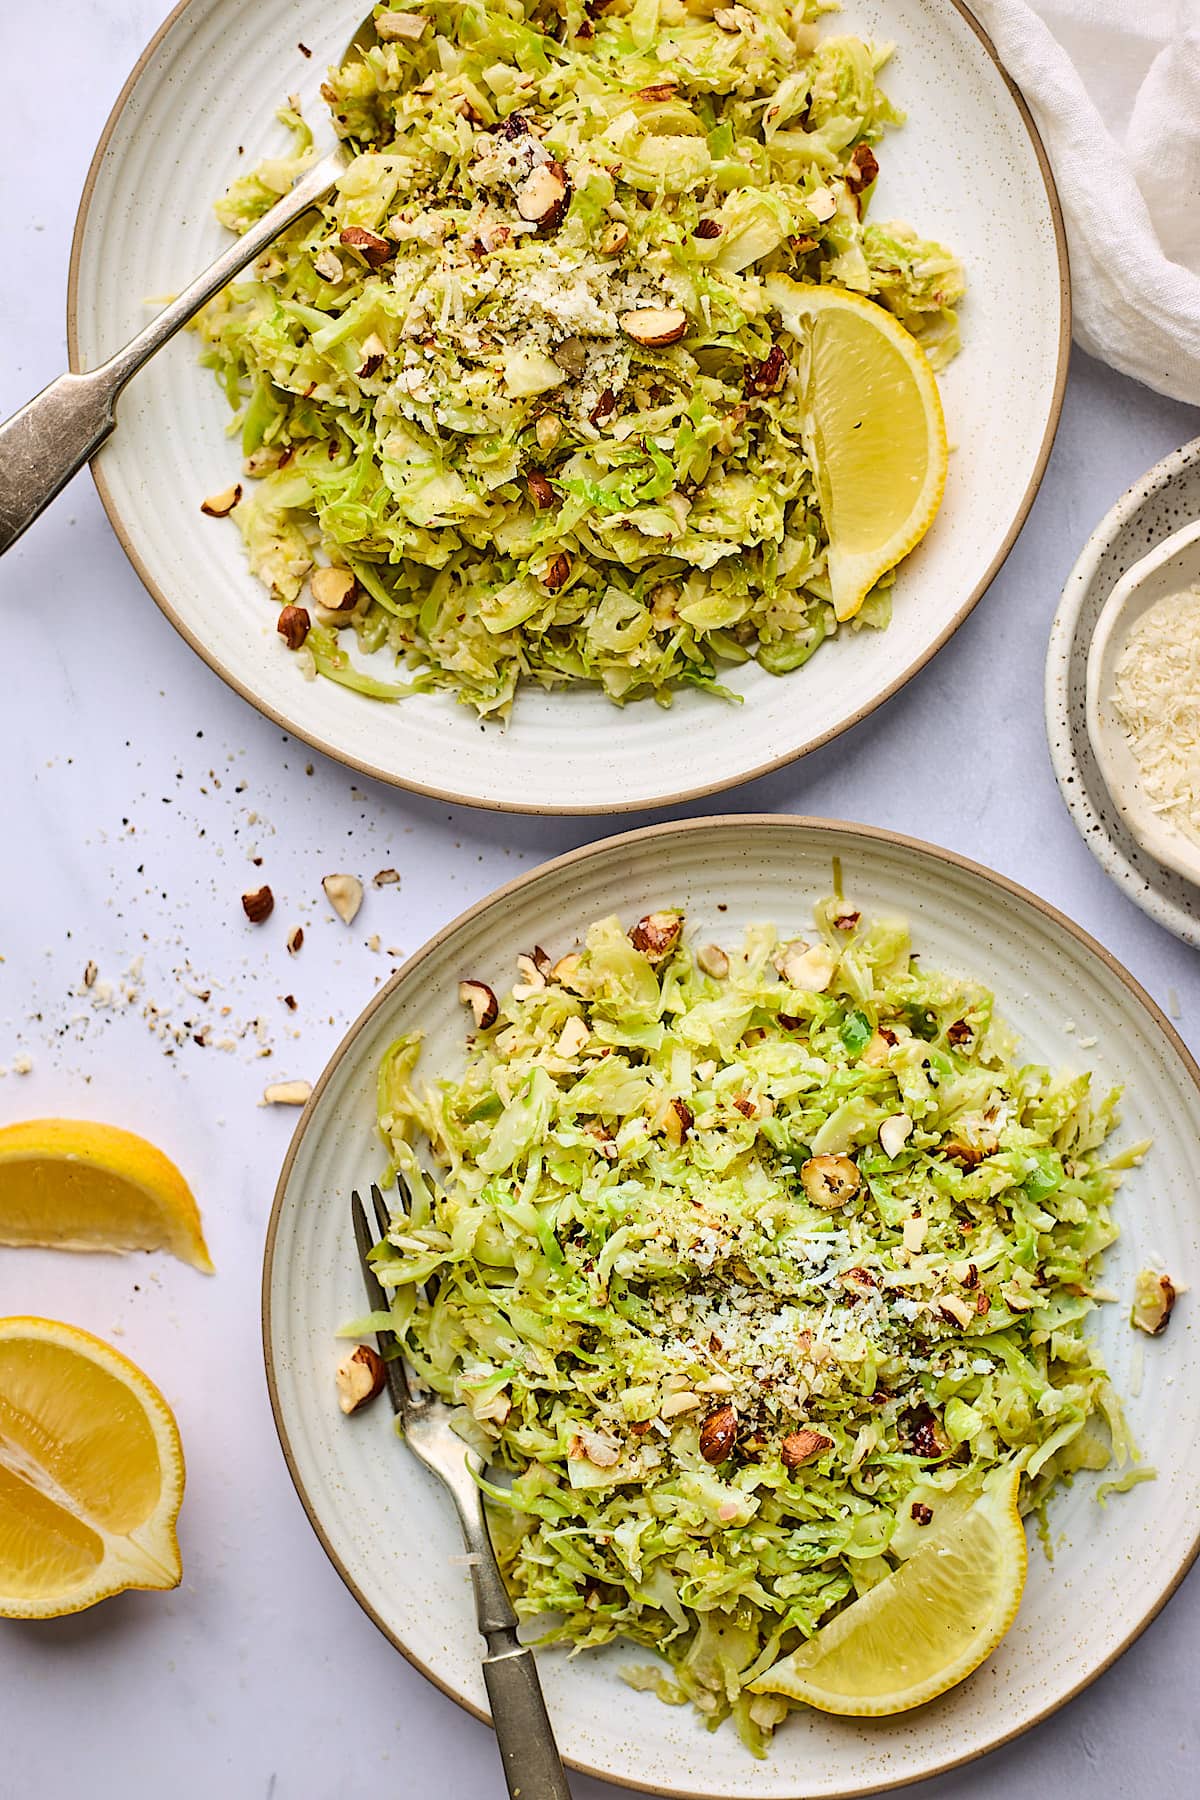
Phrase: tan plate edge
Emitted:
{"points": [[703, 789], [832, 827]]}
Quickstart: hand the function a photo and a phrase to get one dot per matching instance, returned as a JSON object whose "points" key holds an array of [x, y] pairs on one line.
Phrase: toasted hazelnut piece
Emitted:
{"points": [[287, 1093], [664, 604], [385, 877], [373, 352], [604, 408], [295, 939], [540, 491], [674, 1404], [404, 27], [821, 204], [542, 961], [657, 934], [894, 1133], [922, 1430], [333, 588], [708, 229], [293, 625], [725, 18], [857, 1282], [677, 1123], [830, 1181], [959, 1035], [573, 1037], [218, 506], [373, 249], [800, 1447], [328, 264], [614, 239], [808, 968], [983, 1303], [921, 1514], [544, 195], [258, 905], [566, 968], [359, 1378], [660, 90], [556, 571], [913, 1232], [718, 1434], [548, 431], [768, 376], [875, 1051], [90, 973], [862, 169], [655, 326], [963, 1150], [712, 960], [956, 1309], [1153, 1299], [345, 894], [571, 355], [846, 920], [482, 1002], [532, 977], [594, 1447]]}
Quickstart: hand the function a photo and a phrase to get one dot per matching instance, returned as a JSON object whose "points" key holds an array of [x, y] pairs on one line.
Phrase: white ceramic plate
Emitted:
{"points": [[966, 168], [388, 1527], [1165, 500]]}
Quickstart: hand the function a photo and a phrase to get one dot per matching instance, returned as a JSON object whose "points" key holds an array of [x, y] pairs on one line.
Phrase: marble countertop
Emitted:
{"points": [[139, 796]]}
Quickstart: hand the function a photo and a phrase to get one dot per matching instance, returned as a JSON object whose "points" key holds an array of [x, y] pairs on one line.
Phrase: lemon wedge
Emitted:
{"points": [[923, 1629], [878, 433], [91, 1473], [69, 1184]]}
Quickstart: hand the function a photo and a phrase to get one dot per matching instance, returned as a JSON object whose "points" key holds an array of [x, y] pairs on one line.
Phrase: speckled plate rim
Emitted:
{"points": [[1096, 830], [700, 789], [696, 828]]}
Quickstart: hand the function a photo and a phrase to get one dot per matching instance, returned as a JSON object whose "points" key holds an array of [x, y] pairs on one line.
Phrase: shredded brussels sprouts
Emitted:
{"points": [[743, 1274], [521, 374]]}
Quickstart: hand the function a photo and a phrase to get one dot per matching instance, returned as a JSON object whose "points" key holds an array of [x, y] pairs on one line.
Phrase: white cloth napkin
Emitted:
{"points": [[1115, 88]]}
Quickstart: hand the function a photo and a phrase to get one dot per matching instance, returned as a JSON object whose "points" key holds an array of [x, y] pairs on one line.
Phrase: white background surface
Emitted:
{"points": [[260, 1677]]}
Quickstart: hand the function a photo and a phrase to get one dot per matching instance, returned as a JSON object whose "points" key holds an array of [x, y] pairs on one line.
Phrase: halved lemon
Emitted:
{"points": [[923, 1629], [879, 436], [69, 1184], [91, 1473]]}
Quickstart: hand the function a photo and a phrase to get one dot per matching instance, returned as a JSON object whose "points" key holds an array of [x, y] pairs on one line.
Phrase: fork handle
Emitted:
{"points": [[532, 1766]]}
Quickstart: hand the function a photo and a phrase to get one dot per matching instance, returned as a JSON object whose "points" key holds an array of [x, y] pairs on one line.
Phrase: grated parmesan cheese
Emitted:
{"points": [[1157, 698]]}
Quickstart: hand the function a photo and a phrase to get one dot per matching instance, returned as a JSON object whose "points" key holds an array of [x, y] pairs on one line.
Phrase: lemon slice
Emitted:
{"points": [[69, 1184], [923, 1629], [878, 434], [91, 1473]]}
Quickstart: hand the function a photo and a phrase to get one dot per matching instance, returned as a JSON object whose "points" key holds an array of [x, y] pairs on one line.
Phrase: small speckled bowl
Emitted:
{"points": [[1171, 568], [1164, 501]]}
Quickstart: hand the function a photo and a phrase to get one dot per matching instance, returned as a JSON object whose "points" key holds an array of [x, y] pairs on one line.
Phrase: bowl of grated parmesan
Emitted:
{"points": [[1143, 700]]}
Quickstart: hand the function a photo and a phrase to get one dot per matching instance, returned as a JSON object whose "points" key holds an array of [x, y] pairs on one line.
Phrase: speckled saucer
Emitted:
{"points": [[1163, 501]]}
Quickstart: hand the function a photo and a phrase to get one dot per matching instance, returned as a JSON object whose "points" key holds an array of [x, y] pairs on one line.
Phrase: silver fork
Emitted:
{"points": [[532, 1766]]}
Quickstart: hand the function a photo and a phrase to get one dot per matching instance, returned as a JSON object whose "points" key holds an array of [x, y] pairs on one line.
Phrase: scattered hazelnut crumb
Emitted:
{"points": [[286, 1093], [22, 1064], [374, 941], [345, 894], [295, 938], [258, 905], [386, 878]]}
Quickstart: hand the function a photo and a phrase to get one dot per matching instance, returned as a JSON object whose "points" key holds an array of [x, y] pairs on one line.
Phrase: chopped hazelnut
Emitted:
{"points": [[573, 1037], [768, 376], [482, 1001], [655, 326], [920, 1513], [544, 196], [677, 1123], [708, 229], [217, 506], [862, 168], [556, 571], [1153, 1300], [712, 960], [295, 939], [333, 588], [373, 352], [657, 934], [386, 877], [373, 249], [661, 90], [614, 239], [328, 264], [359, 1378], [566, 968], [287, 1093], [894, 1133], [548, 431], [345, 894], [540, 491], [800, 1447], [293, 625], [258, 905], [830, 1181], [811, 969]]}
